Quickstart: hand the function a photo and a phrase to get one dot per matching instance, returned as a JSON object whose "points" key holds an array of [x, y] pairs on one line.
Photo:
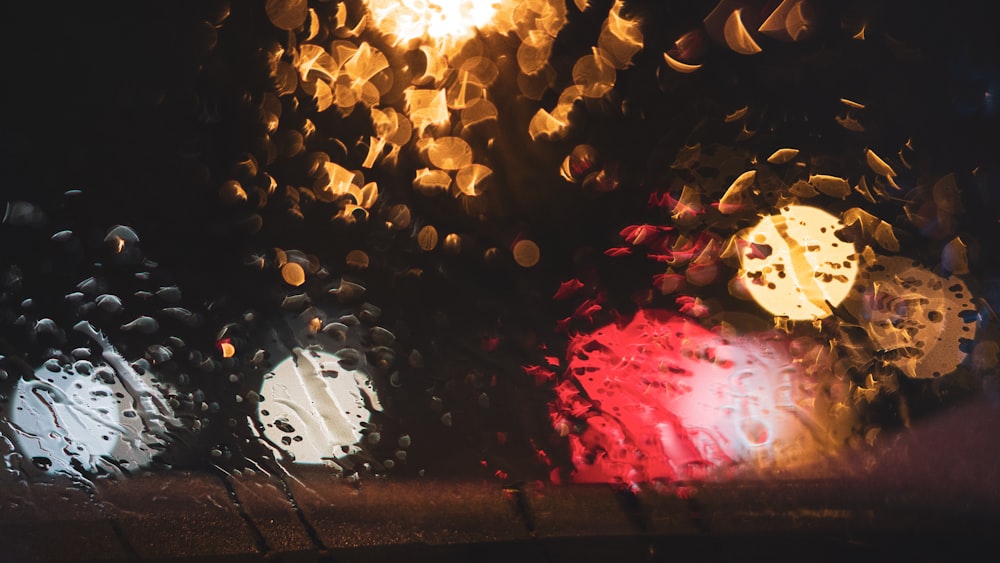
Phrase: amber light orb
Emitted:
{"points": [[795, 266]]}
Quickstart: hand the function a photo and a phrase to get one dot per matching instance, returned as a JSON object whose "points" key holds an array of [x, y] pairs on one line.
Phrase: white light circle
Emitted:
{"points": [[66, 421], [314, 409]]}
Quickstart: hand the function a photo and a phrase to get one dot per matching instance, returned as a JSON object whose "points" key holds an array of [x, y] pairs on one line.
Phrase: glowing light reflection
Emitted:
{"points": [[795, 265], [88, 418], [447, 22], [315, 409], [664, 398]]}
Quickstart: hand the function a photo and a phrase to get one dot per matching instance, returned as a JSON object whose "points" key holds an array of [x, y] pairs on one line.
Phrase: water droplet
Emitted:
{"points": [[143, 325], [62, 236], [427, 238], [384, 357], [338, 331], [42, 463], [124, 244], [80, 353], [350, 359], [381, 336], [157, 353], [295, 302], [170, 294], [88, 286], [453, 243], [24, 214], [109, 303], [357, 259], [348, 291], [370, 313], [46, 327], [415, 359], [287, 14]]}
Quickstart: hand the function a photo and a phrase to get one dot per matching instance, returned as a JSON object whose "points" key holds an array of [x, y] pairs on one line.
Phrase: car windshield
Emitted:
{"points": [[541, 248]]}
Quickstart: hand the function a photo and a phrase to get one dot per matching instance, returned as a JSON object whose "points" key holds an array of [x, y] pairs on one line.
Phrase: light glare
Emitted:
{"points": [[448, 21]]}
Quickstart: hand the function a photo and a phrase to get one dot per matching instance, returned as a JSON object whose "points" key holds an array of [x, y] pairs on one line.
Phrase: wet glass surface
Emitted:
{"points": [[652, 244]]}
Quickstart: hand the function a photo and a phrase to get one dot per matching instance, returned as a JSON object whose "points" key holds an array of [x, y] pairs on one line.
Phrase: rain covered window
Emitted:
{"points": [[649, 244]]}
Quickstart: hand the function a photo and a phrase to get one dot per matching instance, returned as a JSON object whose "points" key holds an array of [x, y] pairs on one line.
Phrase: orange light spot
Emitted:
{"points": [[526, 253], [737, 37], [357, 259], [293, 274], [427, 238], [449, 153], [226, 347], [471, 179]]}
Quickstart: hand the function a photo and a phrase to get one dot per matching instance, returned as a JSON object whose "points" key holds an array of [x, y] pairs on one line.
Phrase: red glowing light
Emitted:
{"points": [[540, 374], [662, 398], [567, 289]]}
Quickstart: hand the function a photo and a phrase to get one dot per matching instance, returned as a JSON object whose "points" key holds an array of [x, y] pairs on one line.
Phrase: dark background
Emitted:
{"points": [[146, 108]]}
